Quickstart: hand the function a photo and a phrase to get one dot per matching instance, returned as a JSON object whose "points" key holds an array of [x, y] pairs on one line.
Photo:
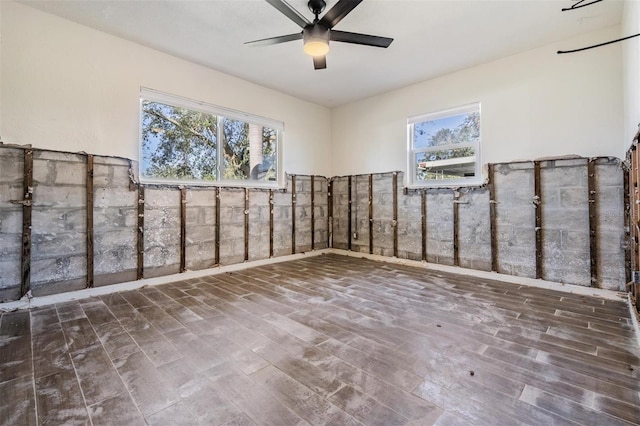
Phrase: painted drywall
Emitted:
{"points": [[534, 104], [68, 87], [631, 69]]}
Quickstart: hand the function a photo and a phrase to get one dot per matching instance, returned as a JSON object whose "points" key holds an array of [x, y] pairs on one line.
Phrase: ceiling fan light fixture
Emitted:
{"points": [[316, 40]]}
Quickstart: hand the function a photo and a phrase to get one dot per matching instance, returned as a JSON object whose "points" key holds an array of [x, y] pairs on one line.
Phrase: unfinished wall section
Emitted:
{"points": [[410, 223], [115, 217], [259, 233], [474, 229], [360, 213], [58, 232], [453, 226], [515, 219], [183, 228], [11, 183], [301, 198], [200, 228], [320, 213], [341, 222], [282, 222]]}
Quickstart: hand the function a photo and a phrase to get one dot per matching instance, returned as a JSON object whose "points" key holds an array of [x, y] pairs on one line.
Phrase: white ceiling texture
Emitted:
{"points": [[431, 37]]}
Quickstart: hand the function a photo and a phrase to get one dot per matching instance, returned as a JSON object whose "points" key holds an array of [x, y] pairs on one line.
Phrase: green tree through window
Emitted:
{"points": [[445, 146], [187, 144]]}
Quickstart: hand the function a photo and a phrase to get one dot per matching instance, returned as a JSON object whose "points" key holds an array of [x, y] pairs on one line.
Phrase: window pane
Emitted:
{"points": [[250, 151], [178, 143], [460, 128], [235, 149], [446, 164]]}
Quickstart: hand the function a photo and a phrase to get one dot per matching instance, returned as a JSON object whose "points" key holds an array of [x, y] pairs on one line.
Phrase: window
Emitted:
{"points": [[444, 148], [190, 142]]}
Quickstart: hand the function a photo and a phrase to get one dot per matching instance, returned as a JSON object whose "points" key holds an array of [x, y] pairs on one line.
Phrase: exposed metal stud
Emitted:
{"points": [[246, 224], [313, 213], [456, 213], [293, 214], [395, 214], [183, 229], [627, 224], [89, 210], [423, 217], [27, 187], [330, 213], [217, 247], [537, 190], [349, 216], [371, 214], [271, 223], [493, 219], [593, 221], [140, 233]]}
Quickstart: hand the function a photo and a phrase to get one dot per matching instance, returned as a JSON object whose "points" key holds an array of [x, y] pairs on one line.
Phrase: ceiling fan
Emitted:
{"points": [[316, 34]]}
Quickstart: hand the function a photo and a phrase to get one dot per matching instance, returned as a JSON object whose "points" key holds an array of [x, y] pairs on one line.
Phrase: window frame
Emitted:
{"points": [[412, 181], [152, 95]]}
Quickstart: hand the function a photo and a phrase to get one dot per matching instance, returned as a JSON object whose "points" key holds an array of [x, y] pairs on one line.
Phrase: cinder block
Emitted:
{"points": [[48, 269], [154, 197], [45, 196], [9, 192], [11, 166], [114, 197], [71, 173]]}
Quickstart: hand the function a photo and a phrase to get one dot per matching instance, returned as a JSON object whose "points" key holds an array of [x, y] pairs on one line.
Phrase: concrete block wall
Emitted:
{"points": [[59, 228], [115, 221], [440, 226], [11, 172], [200, 244], [303, 213], [564, 205], [360, 213], [409, 223], [161, 231], [58, 232], [383, 225], [565, 219], [282, 224], [340, 222], [515, 219], [321, 213], [474, 229], [259, 233]]}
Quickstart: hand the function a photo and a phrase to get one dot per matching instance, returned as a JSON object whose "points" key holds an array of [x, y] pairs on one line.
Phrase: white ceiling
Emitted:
{"points": [[432, 37]]}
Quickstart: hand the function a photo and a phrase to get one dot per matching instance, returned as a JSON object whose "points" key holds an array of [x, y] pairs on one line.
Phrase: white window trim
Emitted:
{"points": [[411, 181], [179, 101]]}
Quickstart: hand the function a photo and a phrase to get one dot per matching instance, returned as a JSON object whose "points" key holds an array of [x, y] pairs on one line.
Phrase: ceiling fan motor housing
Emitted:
{"points": [[316, 40]]}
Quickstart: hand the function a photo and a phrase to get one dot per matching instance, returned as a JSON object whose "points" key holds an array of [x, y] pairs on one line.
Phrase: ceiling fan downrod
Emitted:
{"points": [[316, 7]]}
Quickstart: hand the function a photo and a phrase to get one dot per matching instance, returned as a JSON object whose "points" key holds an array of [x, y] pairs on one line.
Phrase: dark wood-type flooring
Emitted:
{"points": [[324, 340]]}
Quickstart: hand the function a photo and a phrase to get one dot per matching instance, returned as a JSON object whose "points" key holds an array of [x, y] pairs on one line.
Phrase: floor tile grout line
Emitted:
{"points": [[33, 370], [73, 365], [126, 388]]}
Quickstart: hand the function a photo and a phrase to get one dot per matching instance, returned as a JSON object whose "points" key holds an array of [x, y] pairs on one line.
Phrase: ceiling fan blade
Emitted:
{"points": [[357, 38], [319, 62], [288, 10], [337, 12], [275, 40]]}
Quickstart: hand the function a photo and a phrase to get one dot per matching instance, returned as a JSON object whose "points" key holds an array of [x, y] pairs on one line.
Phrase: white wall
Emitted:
{"points": [[68, 87], [534, 104], [631, 67]]}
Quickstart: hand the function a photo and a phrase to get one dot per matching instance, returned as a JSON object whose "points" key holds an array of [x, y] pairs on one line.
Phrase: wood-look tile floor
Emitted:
{"points": [[325, 340]]}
